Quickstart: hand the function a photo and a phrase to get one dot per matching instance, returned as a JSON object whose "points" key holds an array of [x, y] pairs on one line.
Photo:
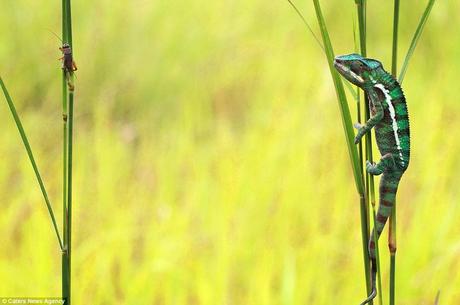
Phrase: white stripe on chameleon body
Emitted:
{"points": [[393, 118]]}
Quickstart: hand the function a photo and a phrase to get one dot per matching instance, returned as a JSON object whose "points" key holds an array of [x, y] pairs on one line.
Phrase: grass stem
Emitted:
{"points": [[342, 99], [392, 246], [394, 55], [392, 225], [369, 179], [67, 110]]}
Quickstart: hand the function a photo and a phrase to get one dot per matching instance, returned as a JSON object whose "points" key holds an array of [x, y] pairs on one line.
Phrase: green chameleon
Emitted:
{"points": [[390, 118]]}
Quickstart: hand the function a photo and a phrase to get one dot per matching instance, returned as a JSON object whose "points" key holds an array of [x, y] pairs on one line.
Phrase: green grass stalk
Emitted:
{"points": [[364, 217], [369, 180], [68, 218], [65, 266], [436, 301], [362, 199], [65, 258], [392, 225], [31, 158], [394, 54], [64, 129], [361, 7], [349, 134], [348, 85], [392, 246], [392, 230], [358, 105], [343, 105], [67, 110], [356, 162], [65, 261]]}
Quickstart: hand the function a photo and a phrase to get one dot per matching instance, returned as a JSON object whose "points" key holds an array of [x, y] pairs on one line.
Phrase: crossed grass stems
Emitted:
{"points": [[364, 182], [67, 149]]}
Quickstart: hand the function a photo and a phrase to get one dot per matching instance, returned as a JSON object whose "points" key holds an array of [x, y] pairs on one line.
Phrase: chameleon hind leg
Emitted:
{"points": [[387, 161]]}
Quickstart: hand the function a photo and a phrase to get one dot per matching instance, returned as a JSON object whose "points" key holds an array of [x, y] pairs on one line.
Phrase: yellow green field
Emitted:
{"points": [[210, 162]]}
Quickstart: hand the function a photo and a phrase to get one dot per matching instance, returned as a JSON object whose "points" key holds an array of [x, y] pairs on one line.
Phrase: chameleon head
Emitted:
{"points": [[357, 69]]}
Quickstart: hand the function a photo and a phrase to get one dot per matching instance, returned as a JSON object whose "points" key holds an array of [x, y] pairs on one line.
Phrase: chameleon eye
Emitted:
{"points": [[356, 67]]}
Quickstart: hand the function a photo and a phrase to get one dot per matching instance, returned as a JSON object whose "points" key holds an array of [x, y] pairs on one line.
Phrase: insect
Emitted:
{"points": [[389, 117], [68, 65]]}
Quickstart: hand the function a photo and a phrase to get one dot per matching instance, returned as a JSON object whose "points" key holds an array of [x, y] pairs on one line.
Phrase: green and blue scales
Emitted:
{"points": [[389, 118]]}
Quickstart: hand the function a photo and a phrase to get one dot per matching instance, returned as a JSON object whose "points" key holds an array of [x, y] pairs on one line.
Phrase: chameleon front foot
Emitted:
{"points": [[373, 169], [361, 132], [387, 162]]}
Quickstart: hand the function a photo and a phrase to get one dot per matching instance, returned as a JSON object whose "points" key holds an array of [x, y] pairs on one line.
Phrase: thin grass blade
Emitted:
{"points": [[369, 179], [392, 222], [67, 103], [358, 101], [349, 135], [415, 39], [31, 158], [349, 86], [436, 301], [392, 246], [342, 99], [306, 24], [361, 6]]}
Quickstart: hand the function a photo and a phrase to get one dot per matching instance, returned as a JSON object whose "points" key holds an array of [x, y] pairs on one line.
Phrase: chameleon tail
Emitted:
{"points": [[388, 187], [373, 283]]}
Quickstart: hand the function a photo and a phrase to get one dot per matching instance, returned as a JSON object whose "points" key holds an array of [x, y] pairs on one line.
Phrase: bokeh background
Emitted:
{"points": [[210, 162]]}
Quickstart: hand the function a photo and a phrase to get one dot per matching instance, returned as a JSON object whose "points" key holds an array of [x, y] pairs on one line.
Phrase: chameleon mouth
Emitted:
{"points": [[347, 72]]}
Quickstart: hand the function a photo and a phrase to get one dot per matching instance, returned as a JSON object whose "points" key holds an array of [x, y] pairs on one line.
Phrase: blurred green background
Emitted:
{"points": [[210, 163]]}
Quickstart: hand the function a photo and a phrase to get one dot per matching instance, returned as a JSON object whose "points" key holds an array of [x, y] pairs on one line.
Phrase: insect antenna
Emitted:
{"points": [[56, 35], [306, 23]]}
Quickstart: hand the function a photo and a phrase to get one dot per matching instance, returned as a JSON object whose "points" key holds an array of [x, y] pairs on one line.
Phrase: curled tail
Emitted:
{"points": [[373, 279], [388, 187]]}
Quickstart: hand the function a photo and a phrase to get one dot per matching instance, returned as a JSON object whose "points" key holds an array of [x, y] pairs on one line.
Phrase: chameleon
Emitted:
{"points": [[390, 120]]}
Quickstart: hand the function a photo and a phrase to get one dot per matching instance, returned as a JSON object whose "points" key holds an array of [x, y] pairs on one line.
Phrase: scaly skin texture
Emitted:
{"points": [[389, 118]]}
